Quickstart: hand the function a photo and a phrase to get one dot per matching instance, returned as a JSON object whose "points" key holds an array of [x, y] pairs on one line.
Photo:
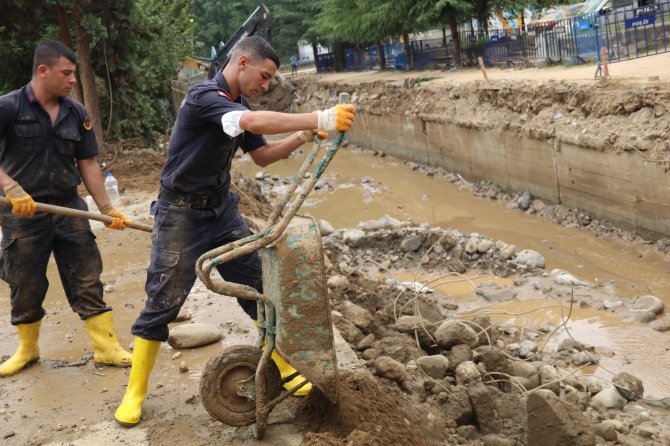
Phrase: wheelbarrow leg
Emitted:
{"points": [[262, 407], [266, 322]]}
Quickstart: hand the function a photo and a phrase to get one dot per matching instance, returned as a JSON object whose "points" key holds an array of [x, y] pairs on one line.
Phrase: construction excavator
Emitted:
{"points": [[258, 24]]}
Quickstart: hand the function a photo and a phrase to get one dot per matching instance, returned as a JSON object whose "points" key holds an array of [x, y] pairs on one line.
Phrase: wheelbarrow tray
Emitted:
{"points": [[294, 282]]}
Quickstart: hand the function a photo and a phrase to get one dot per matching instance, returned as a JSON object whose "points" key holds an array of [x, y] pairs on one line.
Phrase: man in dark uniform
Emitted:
{"points": [[196, 212], [46, 148]]}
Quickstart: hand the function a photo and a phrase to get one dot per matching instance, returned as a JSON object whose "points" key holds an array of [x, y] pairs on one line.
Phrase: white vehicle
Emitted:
{"points": [[605, 6]]}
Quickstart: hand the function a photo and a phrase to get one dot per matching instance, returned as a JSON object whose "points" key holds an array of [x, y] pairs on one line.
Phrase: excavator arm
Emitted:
{"points": [[258, 24], [503, 20]]}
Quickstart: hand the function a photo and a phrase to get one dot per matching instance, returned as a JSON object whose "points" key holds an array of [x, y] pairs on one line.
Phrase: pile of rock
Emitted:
{"points": [[490, 385]]}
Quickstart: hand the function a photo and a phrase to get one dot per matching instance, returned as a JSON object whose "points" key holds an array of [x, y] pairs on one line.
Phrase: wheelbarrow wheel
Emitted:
{"points": [[231, 371]]}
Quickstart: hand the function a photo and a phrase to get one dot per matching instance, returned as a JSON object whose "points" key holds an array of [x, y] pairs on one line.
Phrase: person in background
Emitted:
{"points": [[196, 212], [294, 64], [47, 147]]}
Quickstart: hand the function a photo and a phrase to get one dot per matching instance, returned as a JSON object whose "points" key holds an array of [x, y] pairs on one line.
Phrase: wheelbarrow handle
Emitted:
{"points": [[298, 178], [69, 212]]}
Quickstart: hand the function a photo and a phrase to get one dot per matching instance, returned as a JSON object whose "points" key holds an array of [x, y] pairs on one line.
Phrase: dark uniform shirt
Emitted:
{"points": [[200, 153], [42, 157]]}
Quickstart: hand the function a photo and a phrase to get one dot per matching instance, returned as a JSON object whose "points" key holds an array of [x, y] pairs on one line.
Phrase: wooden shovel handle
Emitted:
{"points": [[69, 212]]}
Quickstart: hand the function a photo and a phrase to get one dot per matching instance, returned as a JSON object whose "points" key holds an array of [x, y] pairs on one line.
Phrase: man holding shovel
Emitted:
{"points": [[47, 147]]}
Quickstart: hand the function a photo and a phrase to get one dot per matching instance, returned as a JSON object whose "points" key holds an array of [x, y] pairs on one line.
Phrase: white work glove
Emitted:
{"points": [[340, 118], [308, 135]]}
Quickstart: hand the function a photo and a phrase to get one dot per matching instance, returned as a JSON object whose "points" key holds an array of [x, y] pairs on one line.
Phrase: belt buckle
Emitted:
{"points": [[199, 202]]}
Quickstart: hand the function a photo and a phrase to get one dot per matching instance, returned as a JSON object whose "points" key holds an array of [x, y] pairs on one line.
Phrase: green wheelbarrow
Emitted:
{"points": [[241, 385]]}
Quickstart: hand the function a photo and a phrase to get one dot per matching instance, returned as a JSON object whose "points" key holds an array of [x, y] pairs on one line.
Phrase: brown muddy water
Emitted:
{"points": [[366, 187]]}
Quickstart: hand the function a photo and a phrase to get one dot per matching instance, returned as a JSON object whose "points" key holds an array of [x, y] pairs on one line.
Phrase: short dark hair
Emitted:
{"points": [[256, 48], [49, 51]]}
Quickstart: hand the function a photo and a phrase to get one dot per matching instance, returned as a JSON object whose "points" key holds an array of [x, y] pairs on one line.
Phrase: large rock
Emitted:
{"points": [[467, 373], [193, 335], [526, 370], [494, 359], [386, 222], [525, 349], [458, 354], [482, 326], [454, 332], [411, 243], [553, 422], [425, 330], [390, 368], [648, 303], [529, 259], [350, 332], [498, 412], [628, 386], [579, 399], [435, 366], [606, 431], [497, 293], [338, 282], [662, 325], [325, 228], [358, 315], [608, 399], [351, 236], [550, 378]]}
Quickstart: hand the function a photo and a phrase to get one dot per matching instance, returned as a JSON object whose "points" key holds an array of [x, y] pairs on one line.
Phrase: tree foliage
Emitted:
{"points": [[140, 57], [135, 49], [293, 21], [18, 34]]}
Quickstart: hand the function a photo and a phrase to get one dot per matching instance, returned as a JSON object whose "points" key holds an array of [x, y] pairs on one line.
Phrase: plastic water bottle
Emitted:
{"points": [[112, 188]]}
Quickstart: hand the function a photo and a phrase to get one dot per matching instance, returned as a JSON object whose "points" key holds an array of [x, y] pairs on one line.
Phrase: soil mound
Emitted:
{"points": [[368, 413]]}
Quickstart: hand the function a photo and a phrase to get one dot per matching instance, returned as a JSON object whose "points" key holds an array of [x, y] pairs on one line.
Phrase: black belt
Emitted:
{"points": [[190, 200]]}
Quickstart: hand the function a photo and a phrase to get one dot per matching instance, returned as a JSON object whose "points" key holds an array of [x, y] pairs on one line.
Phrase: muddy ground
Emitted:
{"points": [[479, 395]]}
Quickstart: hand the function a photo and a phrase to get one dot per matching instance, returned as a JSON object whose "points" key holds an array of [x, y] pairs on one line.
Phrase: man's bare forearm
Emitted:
{"points": [[273, 123]]}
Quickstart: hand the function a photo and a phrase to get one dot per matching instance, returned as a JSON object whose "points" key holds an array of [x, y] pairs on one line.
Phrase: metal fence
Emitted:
{"points": [[627, 33]]}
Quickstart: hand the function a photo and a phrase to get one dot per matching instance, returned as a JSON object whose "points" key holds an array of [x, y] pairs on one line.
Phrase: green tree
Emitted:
{"points": [[443, 13], [146, 42], [128, 51], [382, 20], [292, 22], [366, 21], [19, 32]]}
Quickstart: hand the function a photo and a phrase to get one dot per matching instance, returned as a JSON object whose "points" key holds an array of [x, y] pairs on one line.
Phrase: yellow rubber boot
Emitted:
{"points": [[28, 351], [144, 356], [107, 350], [286, 369]]}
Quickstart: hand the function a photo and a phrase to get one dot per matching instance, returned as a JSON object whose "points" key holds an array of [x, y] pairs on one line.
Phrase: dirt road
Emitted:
{"points": [[653, 68]]}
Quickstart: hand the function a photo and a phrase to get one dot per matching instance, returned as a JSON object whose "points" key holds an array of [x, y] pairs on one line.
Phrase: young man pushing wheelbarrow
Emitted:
{"points": [[195, 211]]}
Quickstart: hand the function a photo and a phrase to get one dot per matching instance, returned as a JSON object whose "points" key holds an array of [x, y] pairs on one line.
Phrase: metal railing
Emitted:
{"points": [[627, 33]]}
